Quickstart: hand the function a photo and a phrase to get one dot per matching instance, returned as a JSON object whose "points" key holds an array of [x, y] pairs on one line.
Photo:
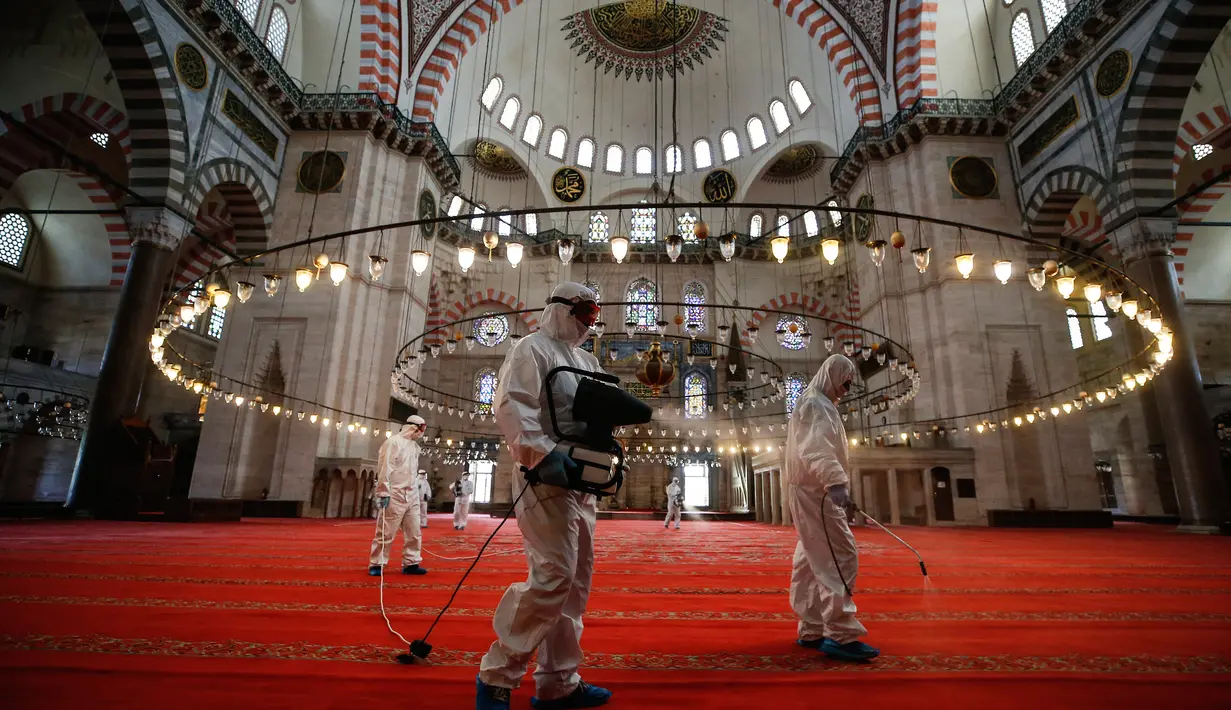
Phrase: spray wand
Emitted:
{"points": [[922, 567]]}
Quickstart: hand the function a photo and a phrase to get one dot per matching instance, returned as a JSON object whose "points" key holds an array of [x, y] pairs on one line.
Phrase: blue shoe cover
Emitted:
{"points": [[585, 696], [814, 644], [374, 571], [490, 697], [853, 651]]}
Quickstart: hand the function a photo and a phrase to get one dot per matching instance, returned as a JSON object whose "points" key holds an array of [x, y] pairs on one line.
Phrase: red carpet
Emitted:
{"points": [[273, 614]]}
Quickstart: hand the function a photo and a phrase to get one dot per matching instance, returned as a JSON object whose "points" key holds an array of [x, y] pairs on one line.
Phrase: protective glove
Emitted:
{"points": [[383, 502], [555, 468], [840, 496]]}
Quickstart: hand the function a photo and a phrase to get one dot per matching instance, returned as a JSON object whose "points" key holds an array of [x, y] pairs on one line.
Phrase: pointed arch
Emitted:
{"points": [[380, 47], [914, 55], [459, 308], [810, 305], [250, 205]]}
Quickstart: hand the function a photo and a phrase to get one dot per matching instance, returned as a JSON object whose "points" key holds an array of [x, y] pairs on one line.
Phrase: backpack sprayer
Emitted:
{"points": [[598, 455]]}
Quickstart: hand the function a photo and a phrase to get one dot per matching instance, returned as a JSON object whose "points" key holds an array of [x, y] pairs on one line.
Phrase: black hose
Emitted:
{"points": [[836, 566]]}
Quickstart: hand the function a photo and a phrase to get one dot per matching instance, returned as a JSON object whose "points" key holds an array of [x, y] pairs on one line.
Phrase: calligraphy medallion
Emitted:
{"points": [[719, 186], [568, 185], [427, 210]]}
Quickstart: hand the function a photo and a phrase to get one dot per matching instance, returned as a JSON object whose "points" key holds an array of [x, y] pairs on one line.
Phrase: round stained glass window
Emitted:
{"points": [[795, 327], [492, 329]]}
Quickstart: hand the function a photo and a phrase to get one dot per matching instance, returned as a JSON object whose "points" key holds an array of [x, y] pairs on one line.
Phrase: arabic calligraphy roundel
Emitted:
{"points": [[568, 185], [719, 186]]}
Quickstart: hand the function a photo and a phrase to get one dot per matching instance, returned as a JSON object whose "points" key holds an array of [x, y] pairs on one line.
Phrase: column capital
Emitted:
{"points": [[1146, 236], [158, 226]]}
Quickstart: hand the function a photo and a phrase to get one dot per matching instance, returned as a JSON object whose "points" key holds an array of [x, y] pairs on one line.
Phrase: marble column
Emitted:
{"points": [[775, 496], [1191, 446], [758, 498], [928, 486], [895, 506], [98, 486]]}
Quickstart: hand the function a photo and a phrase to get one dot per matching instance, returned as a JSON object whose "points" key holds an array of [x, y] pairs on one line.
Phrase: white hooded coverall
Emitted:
{"points": [[557, 524], [461, 503], [424, 488], [396, 465], [816, 456], [674, 490]]}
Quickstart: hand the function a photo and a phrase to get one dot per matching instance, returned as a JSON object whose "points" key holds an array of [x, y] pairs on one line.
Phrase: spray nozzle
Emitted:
{"points": [[419, 650]]}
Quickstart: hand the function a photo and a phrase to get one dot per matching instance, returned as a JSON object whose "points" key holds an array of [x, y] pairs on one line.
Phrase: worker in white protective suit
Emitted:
{"points": [[557, 524], [675, 501], [463, 488], [397, 504], [424, 487], [826, 561]]}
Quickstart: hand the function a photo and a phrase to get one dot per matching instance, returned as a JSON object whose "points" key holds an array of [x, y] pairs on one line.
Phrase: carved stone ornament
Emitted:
{"points": [[191, 68], [1113, 73], [155, 225], [973, 178], [320, 172], [1146, 237]]}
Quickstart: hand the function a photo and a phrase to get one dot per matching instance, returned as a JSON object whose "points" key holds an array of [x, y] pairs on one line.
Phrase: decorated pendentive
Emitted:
{"points": [[719, 186], [1113, 73], [644, 38], [568, 184]]}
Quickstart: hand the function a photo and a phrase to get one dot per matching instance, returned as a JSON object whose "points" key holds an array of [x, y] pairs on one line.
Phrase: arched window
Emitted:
{"points": [[643, 161], [508, 116], [585, 153], [778, 114], [615, 159], [217, 318], [276, 33], [695, 390], [1074, 329], [799, 96], [600, 227], [794, 327], [532, 224], [687, 227], [1102, 329], [103, 138], [730, 146], [455, 206], [1202, 151], [491, 329], [1053, 12], [642, 306], [675, 159], [645, 225], [534, 128], [694, 296], [795, 384], [835, 217], [14, 233], [756, 133], [492, 92], [784, 226], [249, 9], [593, 286], [756, 223], [810, 224], [476, 222], [504, 225], [701, 156], [1023, 38], [485, 382], [557, 144]]}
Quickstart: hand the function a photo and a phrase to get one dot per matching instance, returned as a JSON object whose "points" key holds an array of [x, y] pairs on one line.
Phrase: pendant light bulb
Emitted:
{"points": [[465, 258], [778, 247], [965, 263], [726, 246], [156, 341], [1129, 308], [222, 298], [877, 249], [272, 282], [675, 246], [923, 258], [187, 314], [1003, 270], [419, 261], [303, 278], [1065, 285], [376, 266], [619, 249], [566, 249], [1093, 292], [337, 272], [829, 250], [1114, 301], [514, 251], [243, 290], [1037, 278]]}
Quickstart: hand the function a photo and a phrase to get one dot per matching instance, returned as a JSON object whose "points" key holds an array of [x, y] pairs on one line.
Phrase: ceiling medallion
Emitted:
{"points": [[719, 186], [1113, 73], [972, 178], [642, 38], [496, 161], [796, 163], [568, 185]]}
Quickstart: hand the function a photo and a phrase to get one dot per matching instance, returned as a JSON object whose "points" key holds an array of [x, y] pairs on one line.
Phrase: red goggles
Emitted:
{"points": [[584, 311]]}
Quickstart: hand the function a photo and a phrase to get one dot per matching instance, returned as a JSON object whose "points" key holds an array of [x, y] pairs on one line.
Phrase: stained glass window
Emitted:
{"points": [[557, 144], [799, 96], [1053, 12], [491, 329], [14, 230], [645, 225], [276, 33], [101, 139], [1074, 329], [217, 317], [755, 225], [1102, 330], [834, 215], [585, 153], [492, 92], [777, 112], [642, 305], [694, 396], [810, 224], [600, 227], [756, 133], [675, 159], [534, 127], [1023, 38], [485, 382], [795, 327], [730, 146], [643, 161], [593, 286], [688, 227], [249, 9], [694, 293], [794, 387]]}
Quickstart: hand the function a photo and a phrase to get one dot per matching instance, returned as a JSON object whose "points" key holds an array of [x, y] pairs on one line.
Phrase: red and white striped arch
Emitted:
{"points": [[214, 221], [1201, 128], [459, 309], [380, 47], [477, 19], [807, 304], [914, 53], [117, 228], [1193, 211], [435, 314]]}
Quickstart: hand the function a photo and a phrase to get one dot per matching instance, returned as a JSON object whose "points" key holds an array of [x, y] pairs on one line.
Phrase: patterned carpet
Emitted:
{"points": [[281, 614]]}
